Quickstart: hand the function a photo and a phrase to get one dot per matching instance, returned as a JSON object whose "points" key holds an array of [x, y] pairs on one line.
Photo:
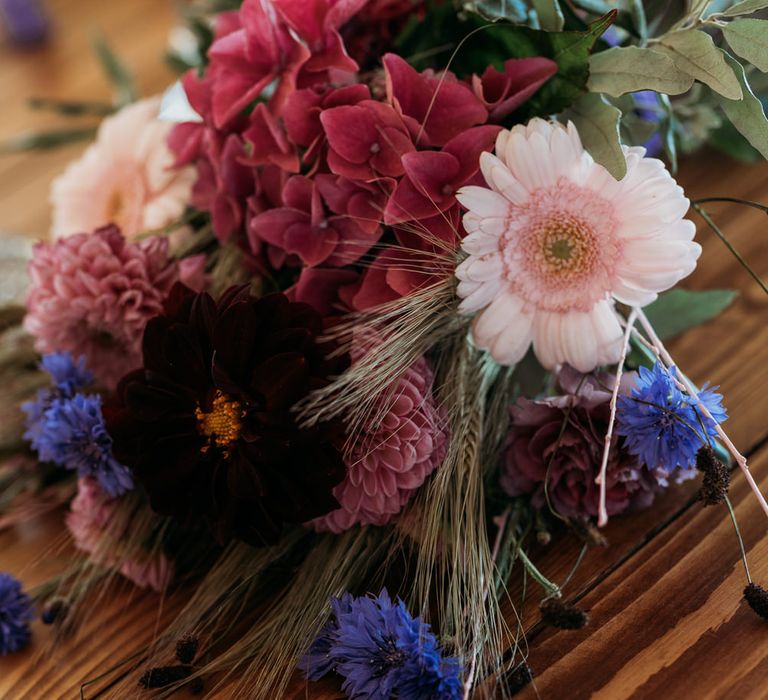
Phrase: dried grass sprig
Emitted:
{"points": [[404, 330], [455, 568]]}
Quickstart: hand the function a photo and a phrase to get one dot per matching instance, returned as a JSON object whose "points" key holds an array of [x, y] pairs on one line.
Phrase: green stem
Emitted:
{"points": [[543, 581], [732, 513], [708, 219]]}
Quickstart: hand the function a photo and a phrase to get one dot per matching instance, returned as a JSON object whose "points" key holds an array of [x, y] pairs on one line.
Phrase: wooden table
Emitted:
{"points": [[667, 619]]}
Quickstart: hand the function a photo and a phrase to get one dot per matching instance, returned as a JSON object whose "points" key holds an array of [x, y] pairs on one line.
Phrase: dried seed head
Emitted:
{"points": [[518, 678], [562, 615], [586, 531], [161, 676], [186, 649], [757, 597], [717, 477], [53, 611]]}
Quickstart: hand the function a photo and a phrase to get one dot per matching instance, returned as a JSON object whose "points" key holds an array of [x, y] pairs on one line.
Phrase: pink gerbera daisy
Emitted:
{"points": [[556, 239]]}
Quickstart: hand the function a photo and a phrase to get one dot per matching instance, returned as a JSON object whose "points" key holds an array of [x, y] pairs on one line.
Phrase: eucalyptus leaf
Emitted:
{"points": [[512, 10], [598, 125], [668, 131], [44, 140], [627, 69], [595, 7], [749, 39], [637, 12], [550, 14], [678, 310], [694, 53], [747, 114], [747, 7], [115, 70]]}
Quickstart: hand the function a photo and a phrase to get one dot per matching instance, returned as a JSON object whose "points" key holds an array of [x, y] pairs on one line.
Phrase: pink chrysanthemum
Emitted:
{"points": [[393, 457], [90, 514], [124, 178], [556, 239], [92, 294]]}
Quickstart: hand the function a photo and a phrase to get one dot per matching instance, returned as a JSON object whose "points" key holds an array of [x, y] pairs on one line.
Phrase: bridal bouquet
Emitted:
{"points": [[370, 300]]}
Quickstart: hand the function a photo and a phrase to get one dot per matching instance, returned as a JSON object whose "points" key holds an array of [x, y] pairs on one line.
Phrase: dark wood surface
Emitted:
{"points": [[667, 619]]}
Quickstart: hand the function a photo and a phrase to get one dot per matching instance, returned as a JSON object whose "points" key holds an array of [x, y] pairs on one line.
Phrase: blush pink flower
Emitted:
{"points": [[124, 178], [90, 515], [392, 457], [92, 294], [555, 239]]}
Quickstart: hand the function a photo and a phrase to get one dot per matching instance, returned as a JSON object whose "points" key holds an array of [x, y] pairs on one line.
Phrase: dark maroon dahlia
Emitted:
{"points": [[207, 424]]}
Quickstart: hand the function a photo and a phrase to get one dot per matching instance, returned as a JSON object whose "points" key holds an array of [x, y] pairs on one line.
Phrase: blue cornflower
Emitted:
{"points": [[74, 436], [15, 615], [382, 652], [662, 426], [68, 375]]}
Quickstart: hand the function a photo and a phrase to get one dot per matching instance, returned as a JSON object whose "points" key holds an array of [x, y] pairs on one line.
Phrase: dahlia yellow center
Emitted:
{"points": [[223, 424]]}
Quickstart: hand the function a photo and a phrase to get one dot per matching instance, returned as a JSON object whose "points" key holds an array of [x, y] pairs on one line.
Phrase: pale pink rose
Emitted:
{"points": [[90, 514], [125, 178], [554, 239]]}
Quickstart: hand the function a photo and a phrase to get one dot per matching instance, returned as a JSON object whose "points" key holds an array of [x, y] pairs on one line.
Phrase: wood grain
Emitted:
{"points": [[667, 620]]}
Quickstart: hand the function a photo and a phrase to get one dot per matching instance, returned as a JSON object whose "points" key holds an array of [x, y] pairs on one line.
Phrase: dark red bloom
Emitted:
{"points": [[266, 142], [366, 141], [317, 22], [207, 425], [326, 220], [424, 256], [433, 177], [503, 92], [303, 108], [435, 107], [244, 61]]}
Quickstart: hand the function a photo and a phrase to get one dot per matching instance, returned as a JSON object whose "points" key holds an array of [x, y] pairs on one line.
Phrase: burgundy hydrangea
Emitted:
{"points": [[316, 149], [569, 463], [92, 294], [207, 426]]}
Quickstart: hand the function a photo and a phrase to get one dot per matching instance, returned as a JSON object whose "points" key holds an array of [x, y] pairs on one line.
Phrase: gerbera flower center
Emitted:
{"points": [[560, 249], [223, 424]]}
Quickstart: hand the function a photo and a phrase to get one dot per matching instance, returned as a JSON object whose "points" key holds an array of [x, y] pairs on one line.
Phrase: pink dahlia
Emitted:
{"points": [[90, 515], [554, 239], [393, 456], [124, 178], [559, 441], [92, 294]]}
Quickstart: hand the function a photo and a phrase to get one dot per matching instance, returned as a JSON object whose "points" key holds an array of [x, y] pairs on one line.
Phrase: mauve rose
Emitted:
{"points": [[574, 463]]}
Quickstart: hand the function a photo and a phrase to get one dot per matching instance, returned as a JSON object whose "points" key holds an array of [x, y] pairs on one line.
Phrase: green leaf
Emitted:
{"points": [[694, 53], [595, 7], [598, 125], [747, 7], [550, 15], [668, 131], [115, 70], [749, 39], [627, 69], [44, 140], [678, 310], [637, 12], [747, 114], [512, 10]]}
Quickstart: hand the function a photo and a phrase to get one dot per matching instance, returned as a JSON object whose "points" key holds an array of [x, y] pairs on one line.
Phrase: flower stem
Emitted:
{"points": [[732, 513], [602, 517], [741, 460]]}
